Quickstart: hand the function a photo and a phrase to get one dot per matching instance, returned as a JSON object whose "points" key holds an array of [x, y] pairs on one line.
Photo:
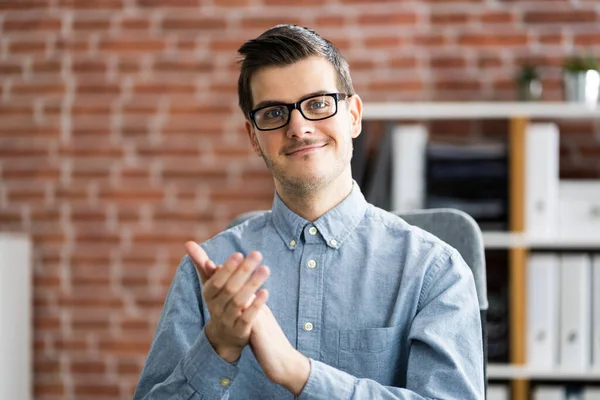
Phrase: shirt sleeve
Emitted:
{"points": [[182, 363], [446, 352]]}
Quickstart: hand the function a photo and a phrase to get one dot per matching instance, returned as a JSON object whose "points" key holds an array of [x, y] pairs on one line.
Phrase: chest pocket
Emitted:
{"points": [[374, 353]]}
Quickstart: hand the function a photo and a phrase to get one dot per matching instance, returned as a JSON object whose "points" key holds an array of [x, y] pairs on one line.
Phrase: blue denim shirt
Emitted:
{"points": [[382, 309]]}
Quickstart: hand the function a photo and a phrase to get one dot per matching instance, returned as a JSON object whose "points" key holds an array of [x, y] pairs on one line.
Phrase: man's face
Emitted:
{"points": [[304, 156]]}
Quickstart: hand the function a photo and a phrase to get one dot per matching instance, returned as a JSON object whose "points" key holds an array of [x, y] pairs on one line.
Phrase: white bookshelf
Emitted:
{"points": [[477, 110], [509, 371], [15, 317], [507, 240]]}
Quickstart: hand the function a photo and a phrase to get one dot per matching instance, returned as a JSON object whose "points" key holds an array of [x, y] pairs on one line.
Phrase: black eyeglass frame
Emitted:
{"points": [[296, 106]]}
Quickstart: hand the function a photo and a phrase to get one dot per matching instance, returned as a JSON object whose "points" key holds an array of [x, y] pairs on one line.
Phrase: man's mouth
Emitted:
{"points": [[305, 150]]}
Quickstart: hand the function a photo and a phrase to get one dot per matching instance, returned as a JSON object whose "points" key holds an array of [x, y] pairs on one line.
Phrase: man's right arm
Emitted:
{"points": [[182, 363]]}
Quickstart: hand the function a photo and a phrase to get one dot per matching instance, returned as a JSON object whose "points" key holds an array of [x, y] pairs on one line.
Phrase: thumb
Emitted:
{"points": [[199, 258]]}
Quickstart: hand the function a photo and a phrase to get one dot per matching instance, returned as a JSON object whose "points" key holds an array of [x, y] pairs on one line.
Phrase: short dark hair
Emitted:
{"points": [[284, 45]]}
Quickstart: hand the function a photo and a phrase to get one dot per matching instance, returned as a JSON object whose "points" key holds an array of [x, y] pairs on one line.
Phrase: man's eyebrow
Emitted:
{"points": [[266, 103]]}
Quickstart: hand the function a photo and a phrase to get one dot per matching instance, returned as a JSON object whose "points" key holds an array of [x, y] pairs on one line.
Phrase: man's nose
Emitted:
{"points": [[298, 125]]}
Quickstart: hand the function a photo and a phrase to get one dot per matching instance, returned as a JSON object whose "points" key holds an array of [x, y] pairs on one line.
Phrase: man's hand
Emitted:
{"points": [[230, 295], [280, 361]]}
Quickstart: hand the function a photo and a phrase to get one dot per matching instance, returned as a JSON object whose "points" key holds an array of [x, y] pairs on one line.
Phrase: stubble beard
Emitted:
{"points": [[308, 185]]}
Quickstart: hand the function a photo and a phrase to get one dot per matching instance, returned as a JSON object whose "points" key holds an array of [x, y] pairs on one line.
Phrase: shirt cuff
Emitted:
{"points": [[324, 380], [206, 371]]}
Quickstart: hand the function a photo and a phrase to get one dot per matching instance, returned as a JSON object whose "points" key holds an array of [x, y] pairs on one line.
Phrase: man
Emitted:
{"points": [[361, 305]]}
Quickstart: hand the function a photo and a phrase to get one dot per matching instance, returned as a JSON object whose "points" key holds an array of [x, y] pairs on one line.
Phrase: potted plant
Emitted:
{"points": [[581, 80], [529, 84]]}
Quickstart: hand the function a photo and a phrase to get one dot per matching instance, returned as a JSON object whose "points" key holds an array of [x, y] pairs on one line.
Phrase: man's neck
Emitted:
{"points": [[314, 206]]}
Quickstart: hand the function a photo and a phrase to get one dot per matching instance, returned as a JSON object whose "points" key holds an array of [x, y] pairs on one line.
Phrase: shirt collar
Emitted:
{"points": [[334, 226]]}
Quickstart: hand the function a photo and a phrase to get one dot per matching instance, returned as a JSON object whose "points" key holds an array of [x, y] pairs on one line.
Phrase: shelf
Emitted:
{"points": [[506, 371], [507, 240], [477, 110]]}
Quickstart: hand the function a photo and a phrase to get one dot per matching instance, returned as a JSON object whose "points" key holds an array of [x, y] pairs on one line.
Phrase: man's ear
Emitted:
{"points": [[355, 106], [253, 139]]}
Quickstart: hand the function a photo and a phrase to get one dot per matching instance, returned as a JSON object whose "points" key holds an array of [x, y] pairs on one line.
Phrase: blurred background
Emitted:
{"points": [[120, 138]]}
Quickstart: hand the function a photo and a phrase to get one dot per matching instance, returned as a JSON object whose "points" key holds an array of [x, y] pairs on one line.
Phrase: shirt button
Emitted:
{"points": [[308, 326], [293, 243], [312, 264], [225, 382], [333, 242], [312, 230]]}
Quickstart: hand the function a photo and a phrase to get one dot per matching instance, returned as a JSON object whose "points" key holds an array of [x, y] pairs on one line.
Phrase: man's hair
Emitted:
{"points": [[284, 45]]}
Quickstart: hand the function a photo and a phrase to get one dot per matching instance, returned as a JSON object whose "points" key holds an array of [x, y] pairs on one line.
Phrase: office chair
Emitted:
{"points": [[460, 231]]}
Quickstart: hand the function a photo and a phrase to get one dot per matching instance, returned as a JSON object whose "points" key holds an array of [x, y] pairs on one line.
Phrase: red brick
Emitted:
{"points": [[43, 389], [87, 367], [46, 366], [129, 367], [135, 23], [560, 16], [179, 66], [445, 62], [96, 23], [264, 23], [169, 4], [333, 21], [46, 323], [406, 18], [383, 42], [125, 347], [125, 45], [231, 3], [26, 46], [198, 24], [497, 17], [10, 68], [97, 389], [92, 5], [46, 66], [139, 196], [402, 62], [457, 84], [45, 24], [70, 344], [164, 88], [587, 39], [557, 39], [39, 88], [490, 40], [430, 40], [73, 45], [489, 61], [448, 18], [24, 5]]}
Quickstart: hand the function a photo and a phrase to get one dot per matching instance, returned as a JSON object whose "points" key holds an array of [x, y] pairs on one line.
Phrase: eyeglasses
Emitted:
{"points": [[314, 108]]}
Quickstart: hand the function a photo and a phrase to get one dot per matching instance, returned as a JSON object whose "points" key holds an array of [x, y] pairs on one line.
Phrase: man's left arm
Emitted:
{"points": [[446, 352]]}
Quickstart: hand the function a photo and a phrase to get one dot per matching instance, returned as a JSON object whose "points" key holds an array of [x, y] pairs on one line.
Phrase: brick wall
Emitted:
{"points": [[120, 138]]}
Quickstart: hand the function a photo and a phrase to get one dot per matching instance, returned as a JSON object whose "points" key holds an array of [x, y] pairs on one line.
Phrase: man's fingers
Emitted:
{"points": [[221, 276], [241, 275], [244, 296], [248, 316]]}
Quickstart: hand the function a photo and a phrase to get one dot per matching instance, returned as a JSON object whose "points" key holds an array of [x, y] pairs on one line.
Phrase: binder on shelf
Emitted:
{"points": [[596, 313], [542, 310], [590, 393], [409, 143], [541, 179], [575, 311], [547, 392], [497, 392]]}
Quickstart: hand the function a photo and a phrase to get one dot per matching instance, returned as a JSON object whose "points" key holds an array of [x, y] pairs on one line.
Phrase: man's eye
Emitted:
{"points": [[274, 113], [317, 104]]}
